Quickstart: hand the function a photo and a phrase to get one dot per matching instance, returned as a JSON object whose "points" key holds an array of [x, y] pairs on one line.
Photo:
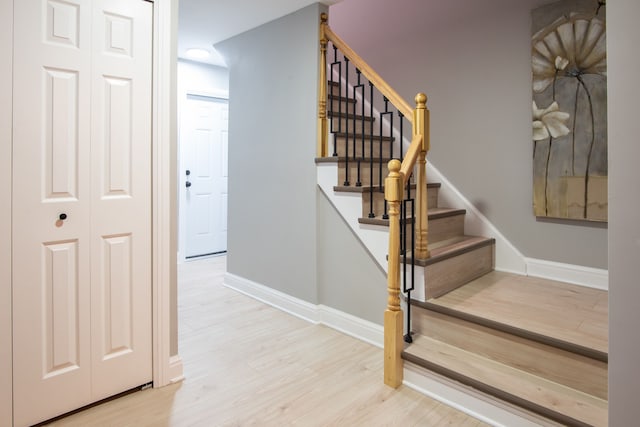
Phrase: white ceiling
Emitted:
{"points": [[202, 23]]}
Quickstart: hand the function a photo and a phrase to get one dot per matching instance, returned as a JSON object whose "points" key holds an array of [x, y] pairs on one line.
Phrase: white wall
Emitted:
{"points": [[199, 79], [623, 39], [6, 65], [473, 60]]}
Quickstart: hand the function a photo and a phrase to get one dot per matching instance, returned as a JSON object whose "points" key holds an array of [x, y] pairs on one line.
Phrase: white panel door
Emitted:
{"points": [[204, 141], [121, 196], [51, 255], [81, 203]]}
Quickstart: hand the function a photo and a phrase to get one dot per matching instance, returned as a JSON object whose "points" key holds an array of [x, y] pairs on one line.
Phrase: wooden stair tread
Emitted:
{"points": [[342, 159], [367, 137], [563, 367], [343, 115], [379, 188], [341, 98], [432, 213], [560, 311], [551, 399]]}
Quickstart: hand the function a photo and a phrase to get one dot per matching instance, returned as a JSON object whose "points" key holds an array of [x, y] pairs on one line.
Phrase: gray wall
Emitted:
{"points": [[473, 60], [348, 278], [623, 39], [273, 73], [283, 232]]}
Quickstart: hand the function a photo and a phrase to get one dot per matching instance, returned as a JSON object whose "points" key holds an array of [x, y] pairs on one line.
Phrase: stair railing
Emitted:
{"points": [[398, 179]]}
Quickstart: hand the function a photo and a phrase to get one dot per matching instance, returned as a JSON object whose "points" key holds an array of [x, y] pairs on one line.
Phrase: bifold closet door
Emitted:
{"points": [[121, 196], [81, 203]]}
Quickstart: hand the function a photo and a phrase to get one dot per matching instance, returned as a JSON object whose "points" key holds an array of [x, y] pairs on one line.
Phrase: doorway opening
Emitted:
{"points": [[203, 109]]}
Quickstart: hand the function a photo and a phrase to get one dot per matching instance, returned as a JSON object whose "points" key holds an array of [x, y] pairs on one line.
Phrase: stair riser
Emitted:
{"points": [[445, 228], [335, 89], [451, 273], [378, 206], [365, 169], [341, 147], [354, 126], [342, 106]]}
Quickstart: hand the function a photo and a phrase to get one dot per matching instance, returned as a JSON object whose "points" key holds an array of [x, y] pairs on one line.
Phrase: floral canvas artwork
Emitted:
{"points": [[569, 65]]}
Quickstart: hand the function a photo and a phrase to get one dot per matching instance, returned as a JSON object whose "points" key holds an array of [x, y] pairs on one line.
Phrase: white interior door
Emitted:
{"points": [[81, 203], [204, 143], [121, 196]]}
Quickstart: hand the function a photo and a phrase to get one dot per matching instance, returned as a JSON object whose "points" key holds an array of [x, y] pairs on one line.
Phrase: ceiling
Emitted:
{"points": [[202, 23]]}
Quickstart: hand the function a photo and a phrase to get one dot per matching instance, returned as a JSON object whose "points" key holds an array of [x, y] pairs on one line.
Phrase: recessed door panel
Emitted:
{"points": [[117, 136], [62, 23], [117, 291], [61, 133], [61, 350]]}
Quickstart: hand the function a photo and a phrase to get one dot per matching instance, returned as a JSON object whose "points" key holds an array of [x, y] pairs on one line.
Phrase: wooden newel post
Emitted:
{"points": [[421, 127], [393, 342], [322, 91]]}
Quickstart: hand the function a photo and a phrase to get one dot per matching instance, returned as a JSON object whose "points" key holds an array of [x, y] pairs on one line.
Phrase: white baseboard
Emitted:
{"points": [[356, 327], [176, 373], [576, 274], [267, 295], [468, 400]]}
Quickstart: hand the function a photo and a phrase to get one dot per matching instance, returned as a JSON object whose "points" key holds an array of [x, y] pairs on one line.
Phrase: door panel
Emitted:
{"points": [[51, 257], [121, 196], [61, 348]]}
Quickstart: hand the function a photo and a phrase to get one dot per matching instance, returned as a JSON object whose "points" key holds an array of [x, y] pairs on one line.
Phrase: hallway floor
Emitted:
{"points": [[246, 363]]}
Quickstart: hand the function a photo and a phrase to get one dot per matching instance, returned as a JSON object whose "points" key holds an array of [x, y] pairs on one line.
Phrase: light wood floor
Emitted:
{"points": [[246, 363], [567, 312]]}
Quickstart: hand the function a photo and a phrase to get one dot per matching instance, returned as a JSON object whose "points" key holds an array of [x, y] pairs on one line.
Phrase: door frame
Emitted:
{"points": [[6, 119], [182, 226], [167, 364]]}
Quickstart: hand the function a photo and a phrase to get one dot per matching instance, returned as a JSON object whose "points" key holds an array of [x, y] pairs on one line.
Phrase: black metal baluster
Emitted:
{"points": [[346, 131], [407, 289], [371, 214], [360, 86], [362, 115], [401, 120], [386, 112], [337, 64]]}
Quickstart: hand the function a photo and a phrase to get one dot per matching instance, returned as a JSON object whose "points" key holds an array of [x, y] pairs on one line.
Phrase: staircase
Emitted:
{"points": [[558, 379]]}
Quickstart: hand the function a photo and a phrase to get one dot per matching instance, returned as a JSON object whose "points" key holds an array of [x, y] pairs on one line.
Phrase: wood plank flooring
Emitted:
{"points": [[571, 313], [246, 363]]}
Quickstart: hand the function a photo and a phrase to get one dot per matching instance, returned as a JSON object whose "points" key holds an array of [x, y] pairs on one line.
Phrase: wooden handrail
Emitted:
{"points": [[410, 158], [371, 75]]}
